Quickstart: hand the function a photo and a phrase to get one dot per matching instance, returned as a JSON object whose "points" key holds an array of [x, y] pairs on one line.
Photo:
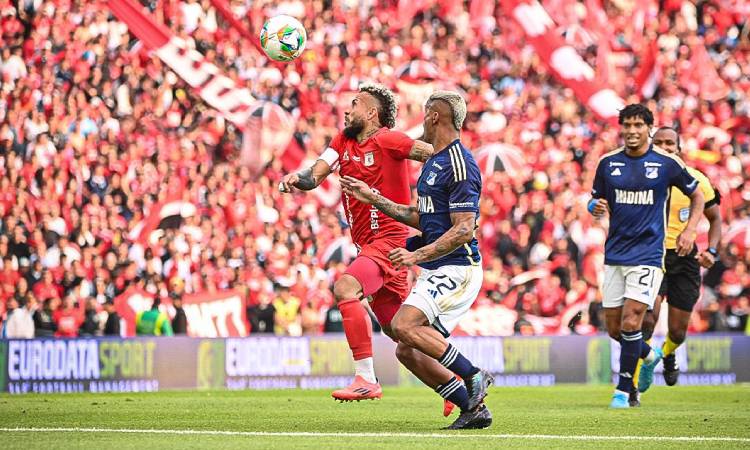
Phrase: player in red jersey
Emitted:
{"points": [[369, 150]]}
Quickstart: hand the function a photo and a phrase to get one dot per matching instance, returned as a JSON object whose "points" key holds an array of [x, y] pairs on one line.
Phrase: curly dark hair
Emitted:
{"points": [[388, 106], [636, 110]]}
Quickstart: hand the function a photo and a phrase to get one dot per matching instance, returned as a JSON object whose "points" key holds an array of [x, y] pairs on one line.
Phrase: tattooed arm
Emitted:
{"points": [[359, 190], [307, 179], [462, 232], [421, 151]]}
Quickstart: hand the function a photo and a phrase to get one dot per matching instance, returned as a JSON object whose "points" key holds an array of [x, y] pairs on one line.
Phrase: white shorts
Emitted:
{"points": [[445, 294], [639, 283]]}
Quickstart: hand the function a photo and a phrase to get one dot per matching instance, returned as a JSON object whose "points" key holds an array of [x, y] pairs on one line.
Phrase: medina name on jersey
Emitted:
{"points": [[450, 182], [637, 190]]}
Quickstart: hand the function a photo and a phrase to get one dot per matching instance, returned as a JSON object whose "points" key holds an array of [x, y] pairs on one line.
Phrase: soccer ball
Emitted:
{"points": [[283, 38]]}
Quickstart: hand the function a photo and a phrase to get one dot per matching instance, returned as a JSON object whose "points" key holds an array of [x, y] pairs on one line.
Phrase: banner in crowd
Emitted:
{"points": [[562, 59], [267, 128], [209, 314], [266, 362], [215, 314]]}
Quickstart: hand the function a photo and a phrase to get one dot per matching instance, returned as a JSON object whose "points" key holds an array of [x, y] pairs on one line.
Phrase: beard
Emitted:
{"points": [[355, 127]]}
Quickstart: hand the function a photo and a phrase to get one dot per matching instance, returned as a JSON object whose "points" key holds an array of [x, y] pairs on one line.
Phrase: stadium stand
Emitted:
{"points": [[96, 133]]}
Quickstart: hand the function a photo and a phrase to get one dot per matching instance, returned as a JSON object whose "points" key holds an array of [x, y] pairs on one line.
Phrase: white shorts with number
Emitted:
{"points": [[445, 294], [639, 283]]}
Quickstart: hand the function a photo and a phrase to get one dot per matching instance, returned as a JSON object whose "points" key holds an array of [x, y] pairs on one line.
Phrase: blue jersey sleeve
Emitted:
{"points": [[681, 178], [597, 190], [464, 195]]}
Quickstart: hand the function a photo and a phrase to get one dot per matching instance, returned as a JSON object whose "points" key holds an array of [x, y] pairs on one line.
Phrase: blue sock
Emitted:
{"points": [[457, 363], [455, 392], [645, 349], [630, 351]]}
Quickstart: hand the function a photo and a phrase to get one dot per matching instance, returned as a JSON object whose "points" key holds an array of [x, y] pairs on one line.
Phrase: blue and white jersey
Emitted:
{"points": [[450, 182], [637, 190]]}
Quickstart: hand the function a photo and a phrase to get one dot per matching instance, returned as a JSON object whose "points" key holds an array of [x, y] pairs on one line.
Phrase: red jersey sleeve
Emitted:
{"points": [[337, 143], [396, 143]]}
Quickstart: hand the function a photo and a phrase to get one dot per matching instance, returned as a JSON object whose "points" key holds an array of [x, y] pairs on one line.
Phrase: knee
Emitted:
{"points": [[632, 320], [677, 336], [402, 331], [346, 288]]}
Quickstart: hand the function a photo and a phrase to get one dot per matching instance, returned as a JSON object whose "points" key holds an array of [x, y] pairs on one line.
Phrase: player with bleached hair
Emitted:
{"points": [[368, 149], [448, 254]]}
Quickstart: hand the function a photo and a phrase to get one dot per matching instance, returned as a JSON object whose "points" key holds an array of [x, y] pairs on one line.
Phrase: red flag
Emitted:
{"points": [[640, 16], [224, 9], [650, 74], [603, 62], [407, 9], [563, 60], [172, 205], [703, 70]]}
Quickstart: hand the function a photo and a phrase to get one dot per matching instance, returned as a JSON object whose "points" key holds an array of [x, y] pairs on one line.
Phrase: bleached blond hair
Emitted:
{"points": [[456, 103], [388, 105]]}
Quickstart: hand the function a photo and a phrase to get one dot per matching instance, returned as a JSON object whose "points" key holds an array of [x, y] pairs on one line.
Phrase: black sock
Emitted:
{"points": [[457, 363], [455, 392], [630, 351], [645, 349]]}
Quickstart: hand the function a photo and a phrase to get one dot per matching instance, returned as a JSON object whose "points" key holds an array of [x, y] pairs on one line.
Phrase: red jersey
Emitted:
{"points": [[381, 162]]}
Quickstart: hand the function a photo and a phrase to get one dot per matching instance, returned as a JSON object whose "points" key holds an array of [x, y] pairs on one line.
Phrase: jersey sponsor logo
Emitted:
{"points": [[634, 197], [369, 159], [437, 166], [374, 225], [652, 172], [461, 205], [651, 164], [684, 214], [431, 178], [356, 158], [616, 172], [616, 164], [425, 205]]}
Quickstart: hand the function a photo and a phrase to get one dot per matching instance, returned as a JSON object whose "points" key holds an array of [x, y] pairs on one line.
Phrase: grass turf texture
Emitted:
{"points": [[566, 410]]}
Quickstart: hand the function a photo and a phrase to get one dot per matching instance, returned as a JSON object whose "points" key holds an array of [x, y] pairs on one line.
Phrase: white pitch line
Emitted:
{"points": [[380, 435]]}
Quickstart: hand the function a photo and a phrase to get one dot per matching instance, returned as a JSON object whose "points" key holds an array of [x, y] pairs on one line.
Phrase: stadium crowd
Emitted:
{"points": [[95, 131]]}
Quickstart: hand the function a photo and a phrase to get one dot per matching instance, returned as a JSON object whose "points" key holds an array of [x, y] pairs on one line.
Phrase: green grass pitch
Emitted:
{"points": [[568, 416]]}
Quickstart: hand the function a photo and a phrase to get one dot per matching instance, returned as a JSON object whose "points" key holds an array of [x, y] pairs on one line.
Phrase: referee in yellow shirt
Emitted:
{"points": [[682, 280]]}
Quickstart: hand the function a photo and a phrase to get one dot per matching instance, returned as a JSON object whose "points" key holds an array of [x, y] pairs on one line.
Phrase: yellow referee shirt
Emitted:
{"points": [[679, 206]]}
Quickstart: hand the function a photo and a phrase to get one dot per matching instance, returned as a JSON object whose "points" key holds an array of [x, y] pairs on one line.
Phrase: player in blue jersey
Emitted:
{"points": [[633, 184], [448, 254]]}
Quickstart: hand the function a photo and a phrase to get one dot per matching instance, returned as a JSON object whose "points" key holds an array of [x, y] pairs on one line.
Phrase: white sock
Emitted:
{"points": [[650, 358], [365, 369]]}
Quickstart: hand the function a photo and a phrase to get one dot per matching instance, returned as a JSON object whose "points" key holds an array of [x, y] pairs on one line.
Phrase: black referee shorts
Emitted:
{"points": [[682, 280]]}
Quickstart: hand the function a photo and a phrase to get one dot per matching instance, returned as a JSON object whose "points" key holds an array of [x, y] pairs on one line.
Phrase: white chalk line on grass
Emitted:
{"points": [[380, 435]]}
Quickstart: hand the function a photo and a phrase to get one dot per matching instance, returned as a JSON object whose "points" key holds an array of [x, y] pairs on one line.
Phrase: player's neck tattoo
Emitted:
{"points": [[366, 135]]}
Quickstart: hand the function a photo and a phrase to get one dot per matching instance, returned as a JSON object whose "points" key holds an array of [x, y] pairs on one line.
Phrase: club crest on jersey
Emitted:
{"points": [[431, 178], [369, 159], [684, 214], [652, 172]]}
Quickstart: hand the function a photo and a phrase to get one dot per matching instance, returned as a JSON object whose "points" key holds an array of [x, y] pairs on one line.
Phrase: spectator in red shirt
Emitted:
{"points": [[68, 319]]}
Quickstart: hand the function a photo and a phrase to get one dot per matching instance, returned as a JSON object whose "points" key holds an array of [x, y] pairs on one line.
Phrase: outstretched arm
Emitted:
{"points": [[360, 191], [306, 179]]}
